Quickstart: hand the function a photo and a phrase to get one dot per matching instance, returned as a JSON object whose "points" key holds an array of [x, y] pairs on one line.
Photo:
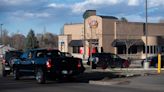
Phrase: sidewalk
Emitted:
{"points": [[152, 82], [125, 76]]}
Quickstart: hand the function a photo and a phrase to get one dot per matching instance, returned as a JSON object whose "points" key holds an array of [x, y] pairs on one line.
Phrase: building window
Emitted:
{"points": [[143, 49], [151, 49], [133, 50], [121, 50], [76, 49], [162, 49], [148, 49], [155, 49]]}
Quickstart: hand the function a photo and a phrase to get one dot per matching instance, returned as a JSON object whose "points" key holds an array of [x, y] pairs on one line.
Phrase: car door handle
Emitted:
{"points": [[33, 62]]}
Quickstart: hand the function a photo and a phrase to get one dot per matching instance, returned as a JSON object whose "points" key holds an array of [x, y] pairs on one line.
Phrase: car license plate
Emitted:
{"points": [[7, 68], [64, 72]]}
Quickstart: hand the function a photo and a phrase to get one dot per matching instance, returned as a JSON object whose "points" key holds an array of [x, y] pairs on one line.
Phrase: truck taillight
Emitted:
{"points": [[79, 64], [49, 63], [3, 61]]}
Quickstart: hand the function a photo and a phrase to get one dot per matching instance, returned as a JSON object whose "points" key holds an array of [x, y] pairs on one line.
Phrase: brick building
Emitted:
{"points": [[109, 34]]}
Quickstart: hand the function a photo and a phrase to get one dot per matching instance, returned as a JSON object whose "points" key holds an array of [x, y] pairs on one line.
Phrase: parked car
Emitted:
{"points": [[105, 60], [46, 64], [7, 61], [153, 61]]}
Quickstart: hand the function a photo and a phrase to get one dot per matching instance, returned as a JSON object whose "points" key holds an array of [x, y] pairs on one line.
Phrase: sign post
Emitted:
{"points": [[159, 64]]}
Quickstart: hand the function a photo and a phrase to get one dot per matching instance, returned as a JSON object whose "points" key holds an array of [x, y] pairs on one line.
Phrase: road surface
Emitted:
{"points": [[136, 84]]}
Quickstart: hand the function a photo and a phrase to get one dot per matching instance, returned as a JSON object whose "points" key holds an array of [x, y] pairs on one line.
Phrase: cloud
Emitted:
{"points": [[155, 3], [66, 11], [14, 5], [138, 18], [92, 4], [133, 2], [31, 17], [54, 5], [15, 2], [37, 15]]}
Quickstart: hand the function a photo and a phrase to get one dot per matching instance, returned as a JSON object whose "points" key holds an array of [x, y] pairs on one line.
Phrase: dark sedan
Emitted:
{"points": [[105, 60]]}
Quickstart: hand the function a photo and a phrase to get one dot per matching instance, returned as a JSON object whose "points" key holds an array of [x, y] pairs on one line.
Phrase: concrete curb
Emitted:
{"points": [[125, 69], [108, 82], [114, 81]]}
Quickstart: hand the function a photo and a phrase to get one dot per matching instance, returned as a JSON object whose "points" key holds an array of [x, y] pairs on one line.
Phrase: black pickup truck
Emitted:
{"points": [[46, 64]]}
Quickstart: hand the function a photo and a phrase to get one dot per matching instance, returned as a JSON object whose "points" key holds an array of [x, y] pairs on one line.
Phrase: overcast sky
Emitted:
{"points": [[23, 15]]}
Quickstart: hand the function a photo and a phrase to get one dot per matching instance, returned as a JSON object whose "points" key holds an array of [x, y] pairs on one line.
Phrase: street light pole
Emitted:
{"points": [[1, 34], [146, 64]]}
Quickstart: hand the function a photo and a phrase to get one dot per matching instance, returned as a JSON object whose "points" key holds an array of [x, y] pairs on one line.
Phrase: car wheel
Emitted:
{"points": [[40, 76], [125, 65], [16, 74], [104, 65]]}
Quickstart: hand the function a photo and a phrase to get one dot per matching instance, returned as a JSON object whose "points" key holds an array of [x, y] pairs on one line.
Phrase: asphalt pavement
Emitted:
{"points": [[92, 80], [117, 78], [149, 82]]}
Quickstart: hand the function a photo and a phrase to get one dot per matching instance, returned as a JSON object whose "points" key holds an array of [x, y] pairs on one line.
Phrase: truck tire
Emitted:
{"points": [[40, 76], [16, 74]]}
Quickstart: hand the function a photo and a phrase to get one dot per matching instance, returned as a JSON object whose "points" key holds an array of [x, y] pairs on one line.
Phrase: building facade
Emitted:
{"points": [[109, 34]]}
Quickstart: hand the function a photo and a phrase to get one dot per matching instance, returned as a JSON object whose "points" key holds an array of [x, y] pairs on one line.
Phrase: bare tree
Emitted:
{"points": [[126, 31], [47, 40], [17, 41], [5, 37]]}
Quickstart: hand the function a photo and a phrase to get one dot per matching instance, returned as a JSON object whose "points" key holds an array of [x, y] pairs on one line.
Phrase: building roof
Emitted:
{"points": [[108, 17]]}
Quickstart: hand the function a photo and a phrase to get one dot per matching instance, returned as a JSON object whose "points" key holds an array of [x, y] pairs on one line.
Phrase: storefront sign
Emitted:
{"points": [[93, 24]]}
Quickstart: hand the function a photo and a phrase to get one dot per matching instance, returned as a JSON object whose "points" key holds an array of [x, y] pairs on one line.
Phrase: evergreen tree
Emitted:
{"points": [[123, 19], [31, 41]]}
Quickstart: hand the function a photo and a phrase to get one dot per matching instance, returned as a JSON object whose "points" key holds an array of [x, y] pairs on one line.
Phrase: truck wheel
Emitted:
{"points": [[16, 74], [40, 76]]}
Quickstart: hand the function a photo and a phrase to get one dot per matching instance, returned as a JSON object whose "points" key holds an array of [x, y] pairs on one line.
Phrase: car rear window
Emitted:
{"points": [[48, 53]]}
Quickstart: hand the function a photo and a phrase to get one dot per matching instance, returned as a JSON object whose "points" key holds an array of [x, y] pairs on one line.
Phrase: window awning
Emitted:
{"points": [[76, 43], [123, 42]]}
